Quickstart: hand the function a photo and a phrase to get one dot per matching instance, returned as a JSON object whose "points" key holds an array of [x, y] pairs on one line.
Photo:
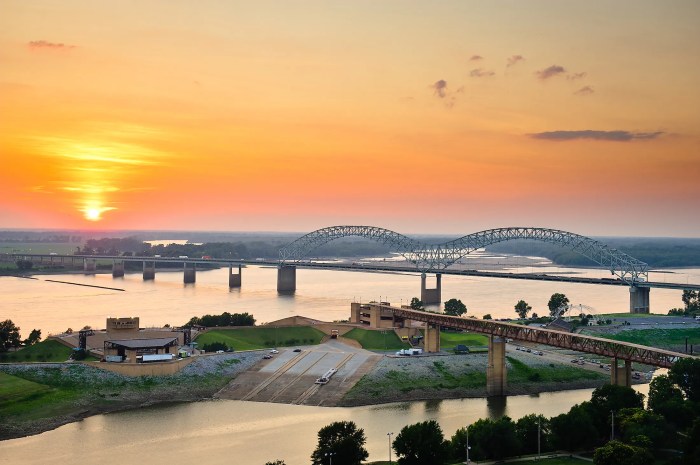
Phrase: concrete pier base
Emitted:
{"points": [[621, 375], [639, 299], [190, 274], [149, 272], [89, 265], [286, 279], [496, 373], [431, 339], [234, 280], [117, 269], [431, 296]]}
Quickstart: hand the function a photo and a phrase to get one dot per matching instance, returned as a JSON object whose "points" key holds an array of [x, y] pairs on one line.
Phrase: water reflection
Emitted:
{"points": [[496, 406]]}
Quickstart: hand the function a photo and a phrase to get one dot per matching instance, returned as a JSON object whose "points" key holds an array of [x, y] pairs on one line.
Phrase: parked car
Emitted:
{"points": [[267, 356], [274, 351], [297, 350]]}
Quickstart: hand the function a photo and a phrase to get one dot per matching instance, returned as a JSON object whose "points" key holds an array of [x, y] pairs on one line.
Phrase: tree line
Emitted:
{"points": [[614, 423], [225, 319], [10, 336]]}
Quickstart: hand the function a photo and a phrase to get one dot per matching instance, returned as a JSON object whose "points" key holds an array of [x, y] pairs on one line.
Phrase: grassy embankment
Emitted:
{"points": [[475, 342], [44, 351], [670, 339], [377, 340], [261, 337]]}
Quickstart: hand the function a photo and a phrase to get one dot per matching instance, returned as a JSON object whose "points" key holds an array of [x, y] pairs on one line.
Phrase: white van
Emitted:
{"points": [[697, 317]]}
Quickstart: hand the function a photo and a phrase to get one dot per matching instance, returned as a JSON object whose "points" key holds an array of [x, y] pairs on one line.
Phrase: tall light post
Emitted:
{"points": [[389, 435], [539, 431], [330, 457], [612, 425], [468, 444]]}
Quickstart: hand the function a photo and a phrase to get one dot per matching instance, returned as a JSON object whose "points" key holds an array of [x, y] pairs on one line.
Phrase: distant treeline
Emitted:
{"points": [[250, 249], [225, 319], [658, 253]]}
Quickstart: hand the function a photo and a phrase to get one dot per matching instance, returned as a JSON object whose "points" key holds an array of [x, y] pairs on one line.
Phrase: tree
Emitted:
{"points": [[618, 453], [575, 430], [276, 462], [34, 337], [522, 309], [455, 307], [691, 299], [493, 439], [691, 449], [685, 373], [640, 426], [666, 399], [526, 430], [9, 335], [421, 443], [487, 317], [556, 301], [343, 439], [416, 304]]}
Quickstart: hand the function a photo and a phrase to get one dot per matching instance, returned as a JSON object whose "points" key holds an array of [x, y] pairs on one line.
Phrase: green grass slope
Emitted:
{"points": [[375, 340], [261, 337], [450, 340], [45, 351]]}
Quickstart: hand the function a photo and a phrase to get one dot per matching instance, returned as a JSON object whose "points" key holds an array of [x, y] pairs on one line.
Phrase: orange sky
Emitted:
{"points": [[421, 117]]}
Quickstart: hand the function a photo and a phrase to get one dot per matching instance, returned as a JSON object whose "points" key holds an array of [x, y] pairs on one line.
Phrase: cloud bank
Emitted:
{"points": [[616, 136], [514, 60], [440, 88], [550, 72], [476, 58], [478, 72], [585, 90], [46, 45]]}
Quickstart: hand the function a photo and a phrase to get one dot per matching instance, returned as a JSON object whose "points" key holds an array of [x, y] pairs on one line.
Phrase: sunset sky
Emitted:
{"points": [[417, 116]]}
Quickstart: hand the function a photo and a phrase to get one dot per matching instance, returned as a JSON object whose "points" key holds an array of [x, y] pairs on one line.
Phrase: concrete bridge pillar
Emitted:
{"points": [[89, 265], [190, 274], [234, 280], [621, 375], [149, 272], [431, 296], [286, 279], [431, 339], [496, 373], [639, 299], [117, 269]]}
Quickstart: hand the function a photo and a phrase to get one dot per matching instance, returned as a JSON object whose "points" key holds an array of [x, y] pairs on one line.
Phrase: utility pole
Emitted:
{"points": [[468, 445], [612, 425], [539, 430], [389, 435]]}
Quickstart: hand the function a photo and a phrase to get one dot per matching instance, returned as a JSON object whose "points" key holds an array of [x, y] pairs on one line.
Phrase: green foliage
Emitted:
{"points": [[685, 373], [45, 351], [214, 346], [487, 317], [492, 439], [556, 301], [691, 299], [618, 453], [666, 399], [450, 340], [24, 265], [574, 430], [421, 443], [639, 427], [522, 309], [344, 440], [691, 447], [260, 337], [9, 335], [33, 338], [376, 340], [670, 339], [80, 354], [416, 304], [526, 431], [276, 462], [225, 319], [455, 307]]}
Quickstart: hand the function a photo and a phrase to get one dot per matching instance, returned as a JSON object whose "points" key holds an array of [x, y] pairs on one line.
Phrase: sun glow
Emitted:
{"points": [[94, 211]]}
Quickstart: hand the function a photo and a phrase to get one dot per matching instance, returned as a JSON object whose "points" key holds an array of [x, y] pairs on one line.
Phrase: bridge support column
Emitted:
{"points": [[431, 296], [496, 372], [89, 265], [639, 299], [190, 274], [149, 272], [117, 269], [286, 279], [621, 376], [431, 339], [234, 280]]}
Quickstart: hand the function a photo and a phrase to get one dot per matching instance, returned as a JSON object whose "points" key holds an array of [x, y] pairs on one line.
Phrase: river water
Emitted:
{"points": [[254, 433]]}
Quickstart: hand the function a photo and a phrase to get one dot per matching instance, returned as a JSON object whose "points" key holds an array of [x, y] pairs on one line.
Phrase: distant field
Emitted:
{"points": [[556, 373], [45, 351], [672, 339], [375, 340], [262, 337], [38, 247], [449, 341]]}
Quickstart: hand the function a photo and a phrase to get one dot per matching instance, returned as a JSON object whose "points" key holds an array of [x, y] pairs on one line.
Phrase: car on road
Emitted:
{"points": [[296, 350], [274, 351], [267, 356]]}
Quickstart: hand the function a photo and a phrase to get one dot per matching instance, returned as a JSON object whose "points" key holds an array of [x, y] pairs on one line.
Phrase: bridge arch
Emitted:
{"points": [[435, 257]]}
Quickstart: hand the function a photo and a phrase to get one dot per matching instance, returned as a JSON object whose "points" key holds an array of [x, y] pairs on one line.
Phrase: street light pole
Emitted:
{"points": [[612, 425], [539, 431], [468, 445], [389, 435], [330, 457]]}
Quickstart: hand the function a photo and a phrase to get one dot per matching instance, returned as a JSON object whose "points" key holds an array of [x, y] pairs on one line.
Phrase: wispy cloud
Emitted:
{"points": [[575, 76], [46, 45], [440, 88], [478, 73], [476, 58], [616, 136], [550, 72], [585, 90], [514, 60]]}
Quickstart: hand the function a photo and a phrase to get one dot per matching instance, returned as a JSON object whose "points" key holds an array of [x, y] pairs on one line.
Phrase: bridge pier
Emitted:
{"points": [[639, 299], [286, 279], [149, 272], [190, 274], [621, 375], [431, 338], [89, 265], [234, 280], [496, 373], [431, 296], [117, 269]]}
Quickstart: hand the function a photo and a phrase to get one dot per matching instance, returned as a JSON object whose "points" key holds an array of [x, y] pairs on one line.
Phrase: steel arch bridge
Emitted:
{"points": [[435, 257]]}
